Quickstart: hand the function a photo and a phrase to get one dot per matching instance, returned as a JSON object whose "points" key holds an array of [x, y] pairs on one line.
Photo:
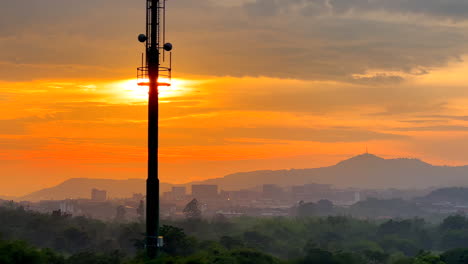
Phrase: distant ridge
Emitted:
{"points": [[81, 188], [7, 198], [362, 171]]}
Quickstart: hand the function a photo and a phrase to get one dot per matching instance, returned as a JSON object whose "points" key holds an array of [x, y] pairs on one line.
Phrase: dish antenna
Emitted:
{"points": [[142, 38]]}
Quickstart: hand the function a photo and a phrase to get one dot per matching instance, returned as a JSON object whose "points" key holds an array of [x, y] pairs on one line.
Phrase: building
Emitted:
{"points": [[240, 197], [311, 192], [98, 195], [272, 192], [138, 197], [69, 207], [205, 191], [179, 193]]}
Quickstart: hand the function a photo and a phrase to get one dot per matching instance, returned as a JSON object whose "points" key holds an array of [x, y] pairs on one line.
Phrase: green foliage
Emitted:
{"points": [[374, 208], [331, 239], [176, 242], [68, 234], [96, 258], [397, 244], [456, 195], [455, 256], [454, 222], [20, 253], [231, 242], [307, 209], [428, 258]]}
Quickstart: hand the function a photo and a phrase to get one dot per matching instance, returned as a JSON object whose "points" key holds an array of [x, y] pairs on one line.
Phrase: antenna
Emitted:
{"points": [[149, 74]]}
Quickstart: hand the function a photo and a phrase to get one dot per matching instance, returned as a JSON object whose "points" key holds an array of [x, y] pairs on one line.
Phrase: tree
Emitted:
{"points": [[192, 210], [120, 213], [248, 256], [255, 239], [455, 256], [176, 242], [21, 253], [141, 211], [318, 256], [221, 224], [454, 239], [306, 209], [376, 257], [324, 207], [428, 258], [88, 257], [392, 227], [454, 222], [231, 242], [76, 239], [396, 243]]}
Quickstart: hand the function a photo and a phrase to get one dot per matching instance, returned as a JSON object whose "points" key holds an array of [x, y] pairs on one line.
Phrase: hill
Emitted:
{"points": [[362, 171], [81, 188], [453, 195], [7, 198]]}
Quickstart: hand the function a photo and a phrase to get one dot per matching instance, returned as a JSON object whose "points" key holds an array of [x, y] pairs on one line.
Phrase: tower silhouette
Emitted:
{"points": [[149, 74]]}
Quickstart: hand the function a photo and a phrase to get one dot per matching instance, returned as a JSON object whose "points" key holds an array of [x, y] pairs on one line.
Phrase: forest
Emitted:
{"points": [[30, 237]]}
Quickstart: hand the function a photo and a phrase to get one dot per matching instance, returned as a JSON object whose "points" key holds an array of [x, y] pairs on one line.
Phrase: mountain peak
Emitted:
{"points": [[368, 159], [362, 158], [367, 156]]}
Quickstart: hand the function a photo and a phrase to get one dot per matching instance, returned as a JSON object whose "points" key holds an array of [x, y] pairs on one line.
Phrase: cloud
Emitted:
{"points": [[450, 9], [272, 134], [448, 117], [18, 126], [434, 128], [300, 39]]}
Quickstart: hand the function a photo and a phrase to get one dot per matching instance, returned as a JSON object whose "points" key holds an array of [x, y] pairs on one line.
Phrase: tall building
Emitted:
{"points": [[311, 192], [272, 191], [205, 191], [138, 196], [179, 193], [98, 195]]}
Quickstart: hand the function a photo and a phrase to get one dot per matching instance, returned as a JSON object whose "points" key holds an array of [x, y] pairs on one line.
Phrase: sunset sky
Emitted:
{"points": [[259, 84]]}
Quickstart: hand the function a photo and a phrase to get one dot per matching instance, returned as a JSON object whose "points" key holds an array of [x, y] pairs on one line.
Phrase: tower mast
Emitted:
{"points": [[149, 74]]}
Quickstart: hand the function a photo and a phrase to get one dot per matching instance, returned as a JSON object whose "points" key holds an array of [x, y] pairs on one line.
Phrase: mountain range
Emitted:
{"points": [[81, 188], [364, 171]]}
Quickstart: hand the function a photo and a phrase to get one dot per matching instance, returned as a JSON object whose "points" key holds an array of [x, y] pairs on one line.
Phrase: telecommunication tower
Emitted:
{"points": [[154, 72]]}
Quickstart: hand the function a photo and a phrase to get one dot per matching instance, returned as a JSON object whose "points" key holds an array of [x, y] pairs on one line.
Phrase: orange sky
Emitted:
{"points": [[244, 97]]}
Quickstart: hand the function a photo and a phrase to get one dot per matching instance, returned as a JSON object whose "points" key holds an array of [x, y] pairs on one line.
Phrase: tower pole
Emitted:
{"points": [[152, 183], [148, 75]]}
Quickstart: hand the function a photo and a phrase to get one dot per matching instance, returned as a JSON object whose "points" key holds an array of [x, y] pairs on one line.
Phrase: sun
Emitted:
{"points": [[132, 91]]}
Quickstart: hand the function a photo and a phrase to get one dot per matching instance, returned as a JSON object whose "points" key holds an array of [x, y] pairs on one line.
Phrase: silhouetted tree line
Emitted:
{"points": [[300, 240], [18, 252]]}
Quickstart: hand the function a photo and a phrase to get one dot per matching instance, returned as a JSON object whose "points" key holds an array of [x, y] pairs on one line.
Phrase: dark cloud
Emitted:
{"points": [[23, 143], [451, 9], [411, 106], [447, 117], [18, 126], [421, 121], [433, 128], [278, 38], [380, 79], [228, 135]]}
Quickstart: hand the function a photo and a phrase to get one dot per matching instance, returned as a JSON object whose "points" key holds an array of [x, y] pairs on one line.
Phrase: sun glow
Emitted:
{"points": [[132, 91]]}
